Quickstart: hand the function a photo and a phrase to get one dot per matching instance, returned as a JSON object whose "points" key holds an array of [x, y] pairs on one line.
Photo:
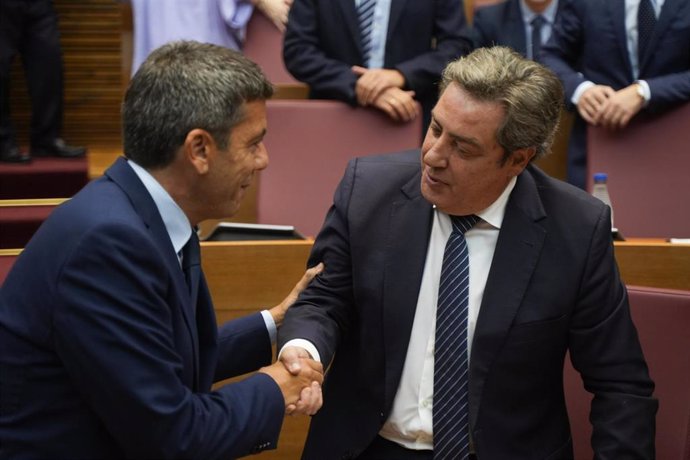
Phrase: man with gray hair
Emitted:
{"points": [[452, 291], [108, 339]]}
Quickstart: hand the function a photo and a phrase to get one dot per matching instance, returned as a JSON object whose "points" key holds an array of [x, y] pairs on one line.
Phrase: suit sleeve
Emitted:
{"points": [[479, 32], [308, 62], [324, 311], [605, 349], [563, 50], [423, 71], [113, 332]]}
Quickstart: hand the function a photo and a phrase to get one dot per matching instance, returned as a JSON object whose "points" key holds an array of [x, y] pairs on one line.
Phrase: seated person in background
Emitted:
{"points": [[617, 58], [108, 337], [378, 53], [523, 25], [30, 28], [457, 278], [221, 22]]}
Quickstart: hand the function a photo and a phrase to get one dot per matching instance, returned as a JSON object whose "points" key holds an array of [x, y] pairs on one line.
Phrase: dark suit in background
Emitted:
{"points": [[30, 28], [589, 43], [322, 44], [500, 24]]}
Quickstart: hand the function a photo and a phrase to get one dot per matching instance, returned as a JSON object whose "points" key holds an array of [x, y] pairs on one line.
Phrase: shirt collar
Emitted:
{"points": [[494, 213], [549, 13], [176, 223]]}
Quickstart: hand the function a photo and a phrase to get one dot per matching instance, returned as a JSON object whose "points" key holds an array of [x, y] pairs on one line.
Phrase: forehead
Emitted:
{"points": [[253, 119], [460, 113]]}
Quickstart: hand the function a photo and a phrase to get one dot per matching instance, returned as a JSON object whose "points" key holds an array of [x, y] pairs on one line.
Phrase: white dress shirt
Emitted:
{"points": [[410, 421], [379, 32]]}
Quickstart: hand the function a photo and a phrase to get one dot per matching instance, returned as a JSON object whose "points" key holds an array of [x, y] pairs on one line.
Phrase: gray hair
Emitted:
{"points": [[183, 86], [531, 95]]}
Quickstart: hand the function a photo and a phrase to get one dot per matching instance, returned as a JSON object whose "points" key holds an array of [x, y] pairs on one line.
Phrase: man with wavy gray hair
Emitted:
{"points": [[108, 339], [456, 280]]}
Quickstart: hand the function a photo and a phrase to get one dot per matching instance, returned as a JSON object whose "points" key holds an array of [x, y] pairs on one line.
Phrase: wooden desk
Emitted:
{"points": [[654, 262]]}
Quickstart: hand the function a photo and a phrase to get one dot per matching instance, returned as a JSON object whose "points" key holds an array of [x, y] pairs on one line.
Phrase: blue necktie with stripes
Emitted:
{"points": [[365, 14], [450, 412]]}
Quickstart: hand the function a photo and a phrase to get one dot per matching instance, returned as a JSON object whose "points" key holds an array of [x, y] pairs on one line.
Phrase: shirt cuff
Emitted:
{"points": [[270, 325], [581, 88], [303, 343], [646, 92]]}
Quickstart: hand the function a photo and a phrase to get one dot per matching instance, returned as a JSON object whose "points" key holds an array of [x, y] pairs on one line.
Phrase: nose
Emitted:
{"points": [[432, 154], [262, 158]]}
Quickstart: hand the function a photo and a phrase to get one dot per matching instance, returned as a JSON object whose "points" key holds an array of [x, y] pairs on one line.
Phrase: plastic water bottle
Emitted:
{"points": [[601, 191]]}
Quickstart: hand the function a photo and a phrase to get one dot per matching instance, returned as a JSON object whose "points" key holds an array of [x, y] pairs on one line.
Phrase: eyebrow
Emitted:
{"points": [[459, 138]]}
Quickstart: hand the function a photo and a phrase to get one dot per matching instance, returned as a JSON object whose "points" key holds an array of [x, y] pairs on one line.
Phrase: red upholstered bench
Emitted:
{"points": [[19, 219], [662, 318]]}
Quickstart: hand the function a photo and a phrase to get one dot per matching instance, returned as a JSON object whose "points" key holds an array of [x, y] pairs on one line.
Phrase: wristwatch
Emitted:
{"points": [[640, 91]]}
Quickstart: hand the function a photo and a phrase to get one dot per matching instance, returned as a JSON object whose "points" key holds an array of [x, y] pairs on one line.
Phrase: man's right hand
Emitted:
{"points": [[592, 101], [298, 386], [397, 104]]}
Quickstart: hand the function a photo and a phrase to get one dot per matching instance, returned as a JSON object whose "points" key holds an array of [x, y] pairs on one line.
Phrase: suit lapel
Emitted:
{"points": [[668, 13], [349, 12], [515, 29], [397, 7], [125, 177], [617, 15], [517, 250], [407, 241]]}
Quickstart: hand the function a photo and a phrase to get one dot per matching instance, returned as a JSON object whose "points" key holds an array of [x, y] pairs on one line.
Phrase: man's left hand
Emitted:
{"points": [[372, 82], [619, 109]]}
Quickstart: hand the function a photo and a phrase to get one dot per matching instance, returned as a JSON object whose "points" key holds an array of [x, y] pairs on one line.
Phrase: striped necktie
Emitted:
{"points": [[537, 23], [365, 14], [450, 411]]}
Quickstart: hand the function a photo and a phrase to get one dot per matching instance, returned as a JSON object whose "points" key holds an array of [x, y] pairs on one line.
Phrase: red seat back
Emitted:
{"points": [[647, 164], [662, 318], [309, 144]]}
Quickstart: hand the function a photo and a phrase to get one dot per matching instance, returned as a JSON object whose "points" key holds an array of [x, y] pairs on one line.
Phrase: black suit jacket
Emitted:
{"points": [[322, 44], [553, 287], [104, 355], [589, 43], [501, 24]]}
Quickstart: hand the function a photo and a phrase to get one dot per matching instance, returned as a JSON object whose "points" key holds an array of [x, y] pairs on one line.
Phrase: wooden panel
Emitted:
{"points": [[90, 37], [245, 277], [654, 263]]}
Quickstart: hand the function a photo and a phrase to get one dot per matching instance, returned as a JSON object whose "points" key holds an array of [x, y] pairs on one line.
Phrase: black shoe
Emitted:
{"points": [[57, 149], [13, 155]]}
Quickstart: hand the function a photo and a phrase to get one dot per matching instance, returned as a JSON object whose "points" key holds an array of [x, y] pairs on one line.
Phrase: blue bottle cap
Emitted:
{"points": [[600, 177]]}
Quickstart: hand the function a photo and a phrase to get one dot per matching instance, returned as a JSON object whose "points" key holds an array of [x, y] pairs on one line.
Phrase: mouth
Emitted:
{"points": [[431, 179]]}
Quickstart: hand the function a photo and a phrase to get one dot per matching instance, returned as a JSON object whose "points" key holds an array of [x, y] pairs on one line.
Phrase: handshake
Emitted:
{"points": [[299, 378]]}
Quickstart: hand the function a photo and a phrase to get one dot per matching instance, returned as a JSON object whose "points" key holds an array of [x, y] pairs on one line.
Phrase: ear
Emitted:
{"points": [[519, 160], [198, 149]]}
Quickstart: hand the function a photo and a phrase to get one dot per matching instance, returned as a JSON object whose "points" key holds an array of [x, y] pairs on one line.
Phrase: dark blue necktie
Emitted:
{"points": [[191, 266], [646, 20], [365, 14], [450, 412], [537, 23]]}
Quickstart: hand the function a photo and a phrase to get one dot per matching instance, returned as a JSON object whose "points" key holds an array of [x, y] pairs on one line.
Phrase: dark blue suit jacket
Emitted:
{"points": [[500, 24], [322, 43], [103, 354], [589, 43], [553, 287]]}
